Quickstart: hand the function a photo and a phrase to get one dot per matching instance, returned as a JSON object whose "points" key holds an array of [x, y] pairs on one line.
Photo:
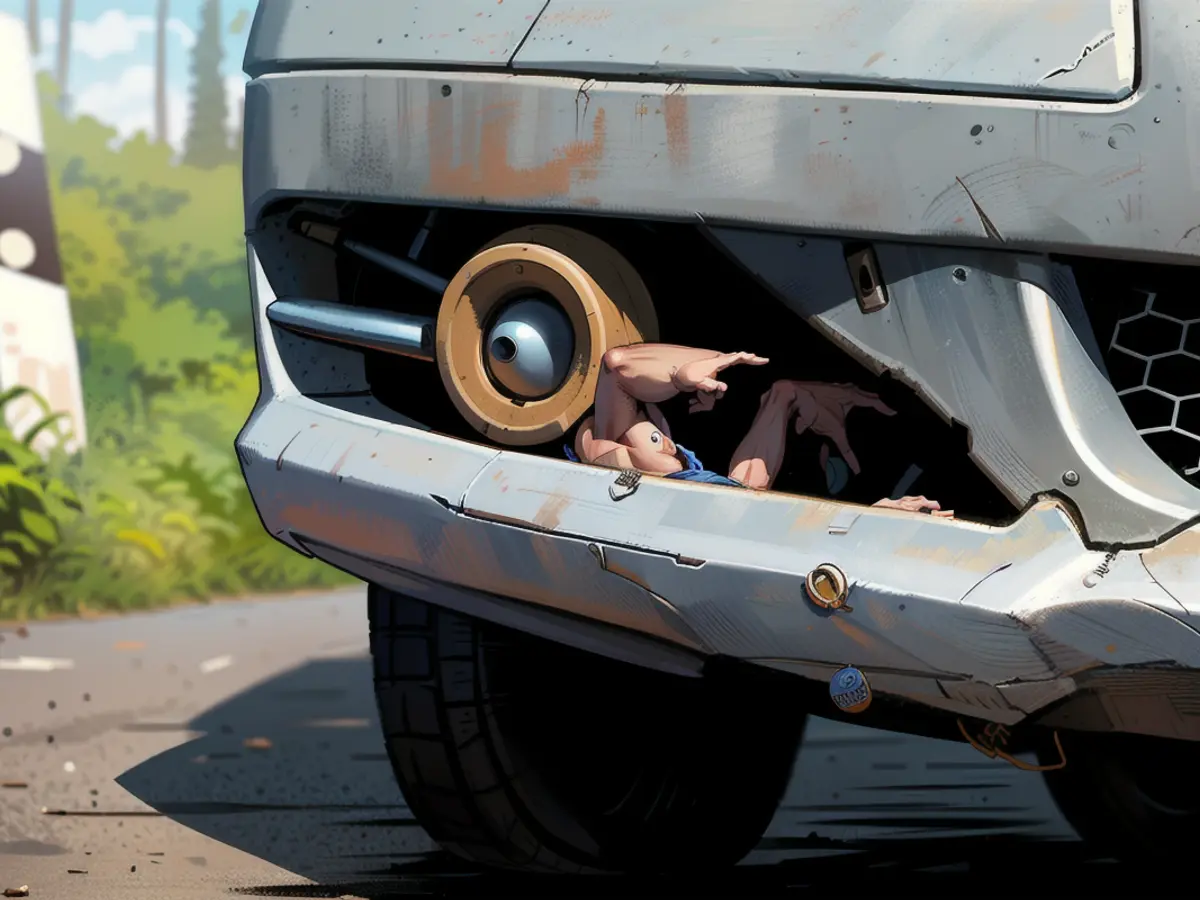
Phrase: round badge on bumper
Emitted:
{"points": [[850, 691]]}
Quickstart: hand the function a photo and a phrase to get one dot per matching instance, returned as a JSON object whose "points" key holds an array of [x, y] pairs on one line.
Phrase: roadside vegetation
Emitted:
{"points": [[153, 510]]}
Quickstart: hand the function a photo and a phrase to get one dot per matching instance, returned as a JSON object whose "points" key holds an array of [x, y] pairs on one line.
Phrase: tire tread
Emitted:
{"points": [[433, 713]]}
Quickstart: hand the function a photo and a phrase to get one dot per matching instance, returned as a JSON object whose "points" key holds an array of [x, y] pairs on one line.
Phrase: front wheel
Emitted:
{"points": [[1130, 796], [518, 753]]}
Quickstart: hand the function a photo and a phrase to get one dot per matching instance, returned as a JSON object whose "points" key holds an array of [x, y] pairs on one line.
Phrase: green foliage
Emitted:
{"points": [[154, 509], [35, 504], [207, 143]]}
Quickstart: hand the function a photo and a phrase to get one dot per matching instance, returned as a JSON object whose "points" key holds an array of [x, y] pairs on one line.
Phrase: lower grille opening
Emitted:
{"points": [[1146, 320]]}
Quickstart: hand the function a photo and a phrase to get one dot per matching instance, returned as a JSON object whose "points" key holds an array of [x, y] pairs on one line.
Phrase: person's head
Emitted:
{"points": [[644, 447], [651, 450]]}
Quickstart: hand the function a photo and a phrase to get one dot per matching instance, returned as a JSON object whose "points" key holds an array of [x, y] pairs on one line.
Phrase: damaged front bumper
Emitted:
{"points": [[1003, 624]]}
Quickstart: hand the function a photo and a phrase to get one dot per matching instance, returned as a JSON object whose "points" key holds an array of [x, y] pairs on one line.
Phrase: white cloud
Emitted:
{"points": [[111, 34], [127, 104]]}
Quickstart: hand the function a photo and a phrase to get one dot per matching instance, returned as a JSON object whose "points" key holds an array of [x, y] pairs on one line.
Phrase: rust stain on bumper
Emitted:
{"points": [[549, 516], [986, 558], [679, 137], [485, 170]]}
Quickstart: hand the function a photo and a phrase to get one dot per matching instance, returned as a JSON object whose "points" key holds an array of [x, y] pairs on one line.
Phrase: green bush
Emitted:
{"points": [[154, 509]]}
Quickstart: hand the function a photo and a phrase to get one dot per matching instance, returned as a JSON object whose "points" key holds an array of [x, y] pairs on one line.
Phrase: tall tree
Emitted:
{"points": [[33, 23], [237, 26], [240, 131], [66, 19], [206, 143], [160, 73]]}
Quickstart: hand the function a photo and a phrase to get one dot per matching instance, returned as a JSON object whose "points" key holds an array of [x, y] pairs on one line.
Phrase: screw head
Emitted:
{"points": [[1070, 478]]}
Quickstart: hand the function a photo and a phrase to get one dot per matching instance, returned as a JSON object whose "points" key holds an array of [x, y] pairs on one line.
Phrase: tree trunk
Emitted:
{"points": [[33, 23], [66, 17], [160, 74]]}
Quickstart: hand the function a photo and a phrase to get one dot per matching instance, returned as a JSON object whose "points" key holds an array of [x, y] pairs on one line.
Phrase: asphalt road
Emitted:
{"points": [[235, 747]]}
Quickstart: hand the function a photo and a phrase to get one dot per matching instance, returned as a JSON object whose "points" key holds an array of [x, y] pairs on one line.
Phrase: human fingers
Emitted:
{"points": [[741, 358], [711, 386], [835, 430], [849, 396], [871, 401]]}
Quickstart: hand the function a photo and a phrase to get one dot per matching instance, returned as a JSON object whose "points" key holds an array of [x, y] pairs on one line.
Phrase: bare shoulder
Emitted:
{"points": [[590, 448]]}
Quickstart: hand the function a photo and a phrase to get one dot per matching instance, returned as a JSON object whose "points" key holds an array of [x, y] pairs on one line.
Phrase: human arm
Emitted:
{"points": [[823, 409], [652, 373]]}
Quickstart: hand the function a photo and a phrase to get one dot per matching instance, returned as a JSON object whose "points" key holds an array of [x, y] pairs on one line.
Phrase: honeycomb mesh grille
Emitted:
{"points": [[1154, 363]]}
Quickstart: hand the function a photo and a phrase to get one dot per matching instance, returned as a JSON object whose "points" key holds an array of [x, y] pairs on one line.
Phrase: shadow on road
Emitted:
{"points": [[293, 771], [961, 870]]}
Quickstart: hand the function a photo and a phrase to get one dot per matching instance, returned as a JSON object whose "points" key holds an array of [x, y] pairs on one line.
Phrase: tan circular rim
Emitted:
{"points": [[831, 575], [615, 275], [473, 295]]}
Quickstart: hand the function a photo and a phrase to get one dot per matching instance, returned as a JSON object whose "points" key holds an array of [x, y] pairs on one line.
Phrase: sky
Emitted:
{"points": [[112, 58]]}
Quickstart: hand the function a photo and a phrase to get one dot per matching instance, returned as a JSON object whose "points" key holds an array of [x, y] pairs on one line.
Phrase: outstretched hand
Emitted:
{"points": [[917, 504], [823, 409], [700, 378]]}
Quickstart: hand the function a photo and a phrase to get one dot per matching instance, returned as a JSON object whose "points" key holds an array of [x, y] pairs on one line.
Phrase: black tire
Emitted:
{"points": [[1129, 796], [519, 753]]}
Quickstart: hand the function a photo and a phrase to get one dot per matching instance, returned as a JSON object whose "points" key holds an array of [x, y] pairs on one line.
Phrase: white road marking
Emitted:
{"points": [[216, 664], [35, 664]]}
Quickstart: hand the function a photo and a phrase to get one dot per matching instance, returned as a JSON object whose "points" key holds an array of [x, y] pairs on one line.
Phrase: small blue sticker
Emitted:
{"points": [[849, 690]]}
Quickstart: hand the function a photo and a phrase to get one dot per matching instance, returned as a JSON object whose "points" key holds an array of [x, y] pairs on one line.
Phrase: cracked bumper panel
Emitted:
{"points": [[1009, 47], [979, 621], [997, 623], [371, 496], [1175, 564]]}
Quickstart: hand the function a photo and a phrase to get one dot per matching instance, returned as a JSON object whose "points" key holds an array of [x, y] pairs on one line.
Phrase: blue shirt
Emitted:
{"points": [[694, 470]]}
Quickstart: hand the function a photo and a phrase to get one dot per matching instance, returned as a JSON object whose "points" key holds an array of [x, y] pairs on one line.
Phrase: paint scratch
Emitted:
{"points": [[1084, 54], [991, 230]]}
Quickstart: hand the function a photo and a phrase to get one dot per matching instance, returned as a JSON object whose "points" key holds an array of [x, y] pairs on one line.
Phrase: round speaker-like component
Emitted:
{"points": [[530, 347], [523, 327]]}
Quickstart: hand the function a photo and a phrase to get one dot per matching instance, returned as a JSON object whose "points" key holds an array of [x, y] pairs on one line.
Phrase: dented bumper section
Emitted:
{"points": [[996, 623]]}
